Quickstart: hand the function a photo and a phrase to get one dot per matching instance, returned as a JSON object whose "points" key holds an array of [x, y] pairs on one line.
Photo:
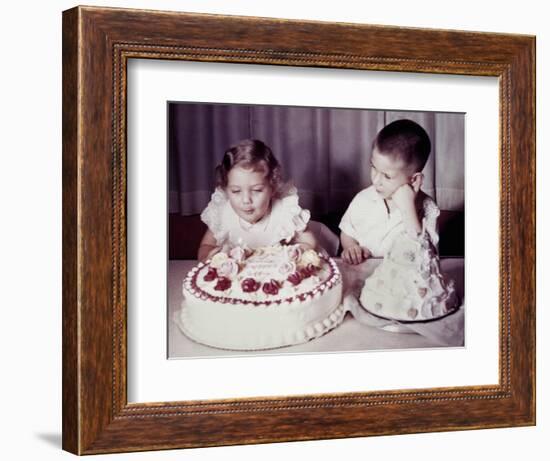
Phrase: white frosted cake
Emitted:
{"points": [[408, 285], [261, 299]]}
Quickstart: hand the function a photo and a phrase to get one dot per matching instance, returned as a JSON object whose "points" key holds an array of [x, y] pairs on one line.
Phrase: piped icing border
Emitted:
{"points": [[190, 284]]}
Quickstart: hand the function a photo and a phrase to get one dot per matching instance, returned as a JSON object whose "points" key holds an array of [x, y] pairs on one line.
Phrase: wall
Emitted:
{"points": [[30, 187]]}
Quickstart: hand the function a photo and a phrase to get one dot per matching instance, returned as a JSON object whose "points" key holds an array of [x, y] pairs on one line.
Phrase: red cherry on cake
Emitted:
{"points": [[271, 287], [308, 271], [250, 285], [222, 284], [295, 278], [312, 268], [212, 274]]}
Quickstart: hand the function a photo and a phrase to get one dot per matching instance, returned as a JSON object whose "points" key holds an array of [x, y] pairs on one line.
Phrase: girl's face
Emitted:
{"points": [[388, 174], [249, 193]]}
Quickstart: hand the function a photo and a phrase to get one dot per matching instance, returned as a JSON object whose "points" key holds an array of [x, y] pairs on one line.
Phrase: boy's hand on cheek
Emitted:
{"points": [[404, 197]]}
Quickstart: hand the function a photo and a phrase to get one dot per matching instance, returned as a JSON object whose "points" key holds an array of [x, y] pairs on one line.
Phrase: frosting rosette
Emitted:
{"points": [[228, 268], [218, 259], [238, 254], [286, 268], [310, 257], [294, 252]]}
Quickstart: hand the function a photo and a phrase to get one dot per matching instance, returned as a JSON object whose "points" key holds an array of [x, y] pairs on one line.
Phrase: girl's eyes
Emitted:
{"points": [[237, 191]]}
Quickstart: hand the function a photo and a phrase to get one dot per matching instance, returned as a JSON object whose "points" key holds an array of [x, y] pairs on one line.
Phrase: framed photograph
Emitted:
{"points": [[279, 230], [330, 143]]}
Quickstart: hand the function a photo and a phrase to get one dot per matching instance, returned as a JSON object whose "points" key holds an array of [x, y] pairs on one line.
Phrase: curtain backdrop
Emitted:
{"points": [[324, 152]]}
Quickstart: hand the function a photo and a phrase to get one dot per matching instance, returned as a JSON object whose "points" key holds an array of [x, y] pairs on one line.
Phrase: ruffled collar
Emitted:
{"points": [[285, 219]]}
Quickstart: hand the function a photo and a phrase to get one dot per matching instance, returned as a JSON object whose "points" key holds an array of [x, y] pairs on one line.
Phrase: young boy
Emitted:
{"points": [[394, 203]]}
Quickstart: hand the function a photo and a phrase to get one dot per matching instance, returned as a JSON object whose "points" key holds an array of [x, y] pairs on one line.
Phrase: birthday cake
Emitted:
{"points": [[261, 299], [408, 285]]}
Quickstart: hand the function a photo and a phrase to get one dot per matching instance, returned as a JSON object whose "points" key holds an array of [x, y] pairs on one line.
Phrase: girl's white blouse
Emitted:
{"points": [[285, 219]]}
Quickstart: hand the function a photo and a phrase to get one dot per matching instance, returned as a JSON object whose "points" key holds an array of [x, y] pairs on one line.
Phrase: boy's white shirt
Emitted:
{"points": [[368, 222]]}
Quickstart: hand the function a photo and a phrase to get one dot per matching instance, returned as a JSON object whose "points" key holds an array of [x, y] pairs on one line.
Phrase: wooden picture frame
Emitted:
{"points": [[97, 43]]}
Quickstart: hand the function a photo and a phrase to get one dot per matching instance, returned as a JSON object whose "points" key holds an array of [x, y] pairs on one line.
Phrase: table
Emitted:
{"points": [[358, 332]]}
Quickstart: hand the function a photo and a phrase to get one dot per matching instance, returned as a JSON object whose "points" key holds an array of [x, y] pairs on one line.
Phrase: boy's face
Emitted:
{"points": [[249, 193], [388, 173]]}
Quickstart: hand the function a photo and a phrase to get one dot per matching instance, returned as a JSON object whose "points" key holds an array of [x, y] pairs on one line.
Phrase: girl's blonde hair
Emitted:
{"points": [[253, 154]]}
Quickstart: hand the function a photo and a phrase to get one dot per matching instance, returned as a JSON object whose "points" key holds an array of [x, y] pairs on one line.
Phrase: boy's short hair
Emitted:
{"points": [[405, 140]]}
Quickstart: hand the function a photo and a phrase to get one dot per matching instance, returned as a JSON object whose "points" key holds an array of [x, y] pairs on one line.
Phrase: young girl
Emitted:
{"points": [[250, 206]]}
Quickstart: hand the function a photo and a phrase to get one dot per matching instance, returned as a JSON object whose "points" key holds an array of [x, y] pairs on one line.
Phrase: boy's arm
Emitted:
{"points": [[208, 246], [347, 241], [411, 220], [353, 252], [405, 199]]}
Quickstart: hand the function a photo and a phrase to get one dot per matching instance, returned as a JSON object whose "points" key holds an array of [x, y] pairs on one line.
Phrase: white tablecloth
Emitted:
{"points": [[358, 332]]}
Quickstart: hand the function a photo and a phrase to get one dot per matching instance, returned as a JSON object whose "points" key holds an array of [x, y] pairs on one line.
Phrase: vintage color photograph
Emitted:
{"points": [[312, 230]]}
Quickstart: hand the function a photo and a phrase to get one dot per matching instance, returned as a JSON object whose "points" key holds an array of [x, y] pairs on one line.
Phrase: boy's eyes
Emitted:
{"points": [[385, 175]]}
